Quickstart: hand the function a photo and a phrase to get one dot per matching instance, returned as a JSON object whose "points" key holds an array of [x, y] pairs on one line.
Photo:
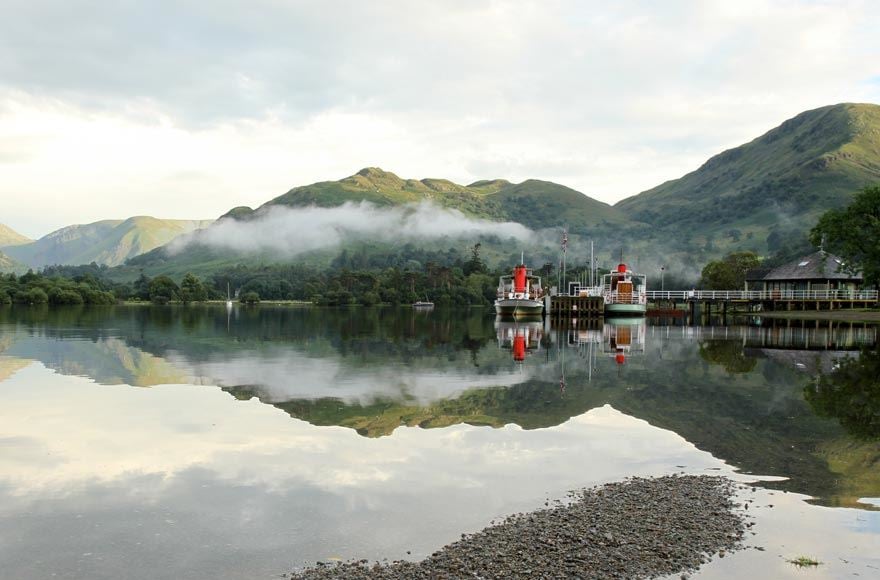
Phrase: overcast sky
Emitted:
{"points": [[184, 109]]}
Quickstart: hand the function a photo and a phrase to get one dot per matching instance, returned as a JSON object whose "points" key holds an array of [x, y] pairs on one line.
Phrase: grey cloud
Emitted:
{"points": [[554, 64], [214, 60]]}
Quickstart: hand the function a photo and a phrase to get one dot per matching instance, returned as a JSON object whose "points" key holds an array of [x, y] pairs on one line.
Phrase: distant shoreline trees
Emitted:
{"points": [[730, 272], [35, 289]]}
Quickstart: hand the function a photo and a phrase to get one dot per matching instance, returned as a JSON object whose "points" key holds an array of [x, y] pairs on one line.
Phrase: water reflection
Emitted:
{"points": [[302, 453], [850, 392], [522, 336], [735, 391]]}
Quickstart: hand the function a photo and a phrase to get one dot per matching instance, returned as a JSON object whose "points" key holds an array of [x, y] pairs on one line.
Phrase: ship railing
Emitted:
{"points": [[509, 295], [754, 295], [634, 298]]}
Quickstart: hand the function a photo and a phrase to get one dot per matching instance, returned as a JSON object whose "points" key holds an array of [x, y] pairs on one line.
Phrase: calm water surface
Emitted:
{"points": [[189, 443]]}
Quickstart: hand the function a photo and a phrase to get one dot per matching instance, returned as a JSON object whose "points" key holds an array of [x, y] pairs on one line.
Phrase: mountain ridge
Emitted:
{"points": [[780, 181], [10, 237], [495, 200], [762, 196], [109, 242]]}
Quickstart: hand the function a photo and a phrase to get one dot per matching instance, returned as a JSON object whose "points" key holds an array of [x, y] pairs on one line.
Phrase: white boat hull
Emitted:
{"points": [[519, 307], [622, 309]]}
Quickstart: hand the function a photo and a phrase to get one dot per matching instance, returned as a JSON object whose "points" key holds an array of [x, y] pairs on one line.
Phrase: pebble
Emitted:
{"points": [[638, 528]]}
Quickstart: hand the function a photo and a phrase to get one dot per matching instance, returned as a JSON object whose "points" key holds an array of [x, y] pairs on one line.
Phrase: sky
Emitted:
{"points": [[185, 109]]}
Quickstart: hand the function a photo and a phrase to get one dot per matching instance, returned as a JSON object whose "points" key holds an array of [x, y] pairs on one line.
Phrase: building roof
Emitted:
{"points": [[817, 266]]}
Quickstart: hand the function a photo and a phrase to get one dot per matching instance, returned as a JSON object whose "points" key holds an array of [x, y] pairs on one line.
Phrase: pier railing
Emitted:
{"points": [[758, 295]]}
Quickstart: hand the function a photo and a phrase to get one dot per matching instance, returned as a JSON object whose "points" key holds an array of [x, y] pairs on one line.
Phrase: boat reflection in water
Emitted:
{"points": [[624, 337], [522, 336]]}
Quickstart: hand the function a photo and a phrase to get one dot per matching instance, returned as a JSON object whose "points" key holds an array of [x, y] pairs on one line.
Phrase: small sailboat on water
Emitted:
{"points": [[423, 304]]}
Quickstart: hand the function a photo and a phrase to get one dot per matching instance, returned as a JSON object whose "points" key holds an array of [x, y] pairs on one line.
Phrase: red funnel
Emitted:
{"points": [[519, 279]]}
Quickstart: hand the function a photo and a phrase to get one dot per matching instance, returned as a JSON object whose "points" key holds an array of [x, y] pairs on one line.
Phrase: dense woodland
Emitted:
{"points": [[351, 279], [41, 288]]}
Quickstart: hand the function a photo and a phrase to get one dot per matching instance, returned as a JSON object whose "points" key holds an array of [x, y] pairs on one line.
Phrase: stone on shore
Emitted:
{"points": [[638, 528]]}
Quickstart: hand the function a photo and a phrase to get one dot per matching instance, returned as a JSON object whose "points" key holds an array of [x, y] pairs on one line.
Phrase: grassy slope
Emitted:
{"points": [[787, 177], [10, 237], [534, 203], [108, 242]]}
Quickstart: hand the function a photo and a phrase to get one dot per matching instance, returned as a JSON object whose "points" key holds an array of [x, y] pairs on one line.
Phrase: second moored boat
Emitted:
{"points": [[625, 292]]}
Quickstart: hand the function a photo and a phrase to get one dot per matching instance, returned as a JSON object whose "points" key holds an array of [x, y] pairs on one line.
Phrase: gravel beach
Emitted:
{"points": [[639, 528]]}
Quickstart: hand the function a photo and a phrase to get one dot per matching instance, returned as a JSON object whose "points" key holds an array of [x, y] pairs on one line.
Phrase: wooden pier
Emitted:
{"points": [[705, 303], [722, 302], [576, 306]]}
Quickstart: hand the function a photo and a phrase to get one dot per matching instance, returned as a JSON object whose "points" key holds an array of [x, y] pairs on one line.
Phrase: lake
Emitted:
{"points": [[147, 442]]}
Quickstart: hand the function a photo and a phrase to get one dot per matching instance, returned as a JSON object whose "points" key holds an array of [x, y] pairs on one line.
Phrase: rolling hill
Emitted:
{"points": [[10, 237], [533, 203], [762, 196], [780, 182], [108, 242]]}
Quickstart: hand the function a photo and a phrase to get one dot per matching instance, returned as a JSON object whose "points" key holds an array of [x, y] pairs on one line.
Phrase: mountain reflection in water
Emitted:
{"points": [[787, 399]]}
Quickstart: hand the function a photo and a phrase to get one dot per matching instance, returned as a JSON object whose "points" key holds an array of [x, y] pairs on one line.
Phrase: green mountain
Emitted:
{"points": [[108, 242], [533, 203], [10, 237], [781, 182], [763, 196]]}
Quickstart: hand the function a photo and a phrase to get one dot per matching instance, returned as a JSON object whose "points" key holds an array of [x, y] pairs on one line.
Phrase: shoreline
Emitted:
{"points": [[637, 528]]}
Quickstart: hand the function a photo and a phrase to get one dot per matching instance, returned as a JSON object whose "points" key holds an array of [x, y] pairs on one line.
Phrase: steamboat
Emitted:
{"points": [[520, 294]]}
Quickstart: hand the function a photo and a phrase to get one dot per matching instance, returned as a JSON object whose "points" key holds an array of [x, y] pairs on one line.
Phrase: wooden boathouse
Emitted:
{"points": [[819, 272]]}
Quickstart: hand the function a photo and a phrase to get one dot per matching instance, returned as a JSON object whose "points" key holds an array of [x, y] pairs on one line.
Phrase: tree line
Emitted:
{"points": [[458, 281], [38, 288]]}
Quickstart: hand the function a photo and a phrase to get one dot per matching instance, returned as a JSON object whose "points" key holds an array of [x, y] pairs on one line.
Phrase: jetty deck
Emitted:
{"points": [[722, 301], [770, 300], [562, 306]]}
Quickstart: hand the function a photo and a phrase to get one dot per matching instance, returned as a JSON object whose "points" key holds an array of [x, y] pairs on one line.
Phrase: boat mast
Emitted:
{"points": [[592, 265], [564, 249]]}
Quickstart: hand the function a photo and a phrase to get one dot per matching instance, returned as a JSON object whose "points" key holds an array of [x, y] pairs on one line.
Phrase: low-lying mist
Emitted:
{"points": [[291, 231]]}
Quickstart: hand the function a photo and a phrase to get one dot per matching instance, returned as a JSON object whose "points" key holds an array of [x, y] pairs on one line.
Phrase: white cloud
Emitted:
{"points": [[186, 110], [293, 231]]}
